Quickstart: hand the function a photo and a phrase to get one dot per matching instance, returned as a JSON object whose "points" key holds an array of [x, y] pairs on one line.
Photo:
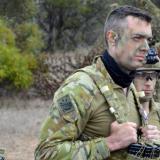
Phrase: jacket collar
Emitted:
{"points": [[100, 66]]}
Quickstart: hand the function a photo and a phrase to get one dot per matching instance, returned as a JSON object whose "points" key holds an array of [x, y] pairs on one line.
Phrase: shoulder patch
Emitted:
{"points": [[66, 104]]}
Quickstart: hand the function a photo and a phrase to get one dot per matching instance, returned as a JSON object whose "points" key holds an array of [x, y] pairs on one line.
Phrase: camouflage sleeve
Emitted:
{"points": [[61, 130]]}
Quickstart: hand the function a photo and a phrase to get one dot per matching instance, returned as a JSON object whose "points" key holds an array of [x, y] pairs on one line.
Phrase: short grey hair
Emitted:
{"points": [[116, 19]]}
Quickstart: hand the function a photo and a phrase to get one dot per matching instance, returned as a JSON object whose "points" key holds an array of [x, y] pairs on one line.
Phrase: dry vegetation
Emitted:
{"points": [[20, 122]]}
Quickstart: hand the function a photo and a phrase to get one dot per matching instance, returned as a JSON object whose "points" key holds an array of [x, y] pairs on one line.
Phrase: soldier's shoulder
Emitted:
{"points": [[79, 87], [80, 78]]}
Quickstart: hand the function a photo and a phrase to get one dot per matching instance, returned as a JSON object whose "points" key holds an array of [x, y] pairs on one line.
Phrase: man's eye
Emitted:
{"points": [[136, 38], [139, 75]]}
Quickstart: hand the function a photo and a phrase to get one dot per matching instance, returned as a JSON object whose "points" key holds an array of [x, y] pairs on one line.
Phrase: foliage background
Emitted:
{"points": [[42, 42], [37, 36]]}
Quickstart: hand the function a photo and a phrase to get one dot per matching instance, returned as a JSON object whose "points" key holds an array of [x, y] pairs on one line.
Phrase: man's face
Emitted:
{"points": [[132, 45], [145, 81]]}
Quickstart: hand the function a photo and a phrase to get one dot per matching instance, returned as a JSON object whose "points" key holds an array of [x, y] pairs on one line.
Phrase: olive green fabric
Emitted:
{"points": [[157, 91], [80, 118], [150, 67]]}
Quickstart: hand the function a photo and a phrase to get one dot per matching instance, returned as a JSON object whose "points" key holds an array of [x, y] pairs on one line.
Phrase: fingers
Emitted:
{"points": [[123, 134], [131, 124], [151, 132], [128, 131], [151, 127]]}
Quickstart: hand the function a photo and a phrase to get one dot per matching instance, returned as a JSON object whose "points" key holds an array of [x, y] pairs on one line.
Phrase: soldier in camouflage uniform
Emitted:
{"points": [[95, 113], [145, 82]]}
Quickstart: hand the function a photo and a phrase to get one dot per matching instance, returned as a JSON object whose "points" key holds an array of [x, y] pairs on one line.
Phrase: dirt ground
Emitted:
{"points": [[20, 122]]}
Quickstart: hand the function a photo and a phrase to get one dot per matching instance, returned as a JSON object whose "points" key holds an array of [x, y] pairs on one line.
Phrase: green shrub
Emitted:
{"points": [[14, 67], [28, 38], [31, 61], [7, 37]]}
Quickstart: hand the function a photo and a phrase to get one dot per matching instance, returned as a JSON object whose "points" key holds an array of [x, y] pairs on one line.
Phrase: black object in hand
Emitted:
{"points": [[144, 151]]}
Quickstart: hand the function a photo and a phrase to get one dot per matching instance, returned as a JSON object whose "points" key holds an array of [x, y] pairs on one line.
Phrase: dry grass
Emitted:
{"points": [[20, 122]]}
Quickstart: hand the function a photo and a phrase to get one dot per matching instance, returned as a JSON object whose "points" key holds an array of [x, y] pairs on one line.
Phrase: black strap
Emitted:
{"points": [[144, 151], [106, 89]]}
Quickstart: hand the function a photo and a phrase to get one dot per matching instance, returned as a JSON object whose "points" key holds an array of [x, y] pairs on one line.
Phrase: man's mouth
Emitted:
{"points": [[139, 57], [148, 91]]}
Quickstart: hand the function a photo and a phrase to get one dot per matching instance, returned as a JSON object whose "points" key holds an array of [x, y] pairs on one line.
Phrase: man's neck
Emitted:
{"points": [[146, 106]]}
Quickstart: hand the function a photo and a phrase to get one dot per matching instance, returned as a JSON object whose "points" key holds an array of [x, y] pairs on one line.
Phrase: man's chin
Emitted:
{"points": [[139, 64], [145, 99], [133, 68], [140, 61]]}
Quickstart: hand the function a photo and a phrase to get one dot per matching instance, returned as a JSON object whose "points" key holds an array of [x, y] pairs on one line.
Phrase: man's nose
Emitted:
{"points": [[145, 46], [148, 78]]}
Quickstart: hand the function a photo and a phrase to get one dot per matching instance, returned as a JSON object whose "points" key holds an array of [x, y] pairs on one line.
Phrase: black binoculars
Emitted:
{"points": [[152, 56]]}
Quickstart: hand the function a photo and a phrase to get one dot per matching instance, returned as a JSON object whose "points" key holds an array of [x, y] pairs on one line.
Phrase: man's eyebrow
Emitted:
{"points": [[143, 35]]}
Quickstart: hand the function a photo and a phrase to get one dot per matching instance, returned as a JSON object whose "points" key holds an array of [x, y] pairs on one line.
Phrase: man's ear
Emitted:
{"points": [[111, 37]]}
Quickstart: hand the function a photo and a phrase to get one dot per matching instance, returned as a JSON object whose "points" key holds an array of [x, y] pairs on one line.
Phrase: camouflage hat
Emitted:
{"points": [[150, 67]]}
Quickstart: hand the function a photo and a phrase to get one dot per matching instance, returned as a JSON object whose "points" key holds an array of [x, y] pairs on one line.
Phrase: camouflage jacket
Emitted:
{"points": [[157, 89], [80, 117]]}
